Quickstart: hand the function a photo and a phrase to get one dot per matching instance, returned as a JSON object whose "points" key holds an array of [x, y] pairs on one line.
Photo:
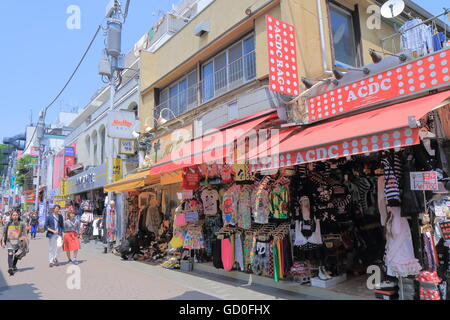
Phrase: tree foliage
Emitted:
{"points": [[24, 167]]}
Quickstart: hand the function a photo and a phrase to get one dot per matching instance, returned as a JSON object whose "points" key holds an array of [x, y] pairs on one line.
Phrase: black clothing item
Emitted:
{"points": [[392, 178], [217, 254], [12, 259], [412, 201]]}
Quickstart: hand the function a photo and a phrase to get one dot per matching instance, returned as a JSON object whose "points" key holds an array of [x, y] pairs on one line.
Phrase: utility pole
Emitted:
{"points": [[39, 137], [110, 68]]}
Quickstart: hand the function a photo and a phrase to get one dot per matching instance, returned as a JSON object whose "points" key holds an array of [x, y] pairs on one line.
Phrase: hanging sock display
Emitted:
{"points": [[275, 263]]}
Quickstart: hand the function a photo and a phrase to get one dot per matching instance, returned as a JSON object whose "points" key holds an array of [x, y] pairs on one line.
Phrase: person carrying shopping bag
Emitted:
{"points": [[54, 224]]}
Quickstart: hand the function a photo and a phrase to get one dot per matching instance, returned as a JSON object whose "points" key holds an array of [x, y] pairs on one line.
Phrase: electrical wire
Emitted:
{"points": [[68, 81]]}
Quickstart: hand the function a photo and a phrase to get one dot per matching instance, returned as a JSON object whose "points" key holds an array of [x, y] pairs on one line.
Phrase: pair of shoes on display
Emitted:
{"points": [[323, 275]]}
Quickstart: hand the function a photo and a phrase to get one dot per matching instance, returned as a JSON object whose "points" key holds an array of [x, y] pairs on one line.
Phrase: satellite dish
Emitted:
{"points": [[392, 8]]}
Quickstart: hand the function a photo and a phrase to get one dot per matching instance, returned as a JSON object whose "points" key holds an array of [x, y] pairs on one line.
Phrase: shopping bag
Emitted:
{"points": [[59, 242]]}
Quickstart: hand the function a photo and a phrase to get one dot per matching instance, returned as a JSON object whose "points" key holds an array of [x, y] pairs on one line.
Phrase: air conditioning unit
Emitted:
{"points": [[202, 28]]}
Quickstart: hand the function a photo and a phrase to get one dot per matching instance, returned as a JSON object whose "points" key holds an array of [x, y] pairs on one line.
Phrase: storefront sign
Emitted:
{"points": [[121, 124], [126, 146], [445, 229], [64, 188], [34, 152], [69, 151], [410, 78], [91, 179], [69, 161], [425, 180], [117, 169], [383, 141], [165, 145], [282, 57]]}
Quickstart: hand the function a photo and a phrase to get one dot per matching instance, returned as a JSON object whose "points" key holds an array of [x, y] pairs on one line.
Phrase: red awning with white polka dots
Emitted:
{"points": [[380, 129]]}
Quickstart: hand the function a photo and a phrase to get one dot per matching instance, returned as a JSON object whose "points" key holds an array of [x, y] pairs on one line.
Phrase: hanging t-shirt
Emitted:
{"points": [[191, 178], [230, 205], [244, 218], [279, 202], [209, 199], [261, 210], [226, 173]]}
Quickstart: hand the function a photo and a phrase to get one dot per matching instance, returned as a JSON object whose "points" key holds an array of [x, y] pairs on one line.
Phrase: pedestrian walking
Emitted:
{"points": [[14, 238], [34, 224], [72, 236], [7, 218], [54, 224]]}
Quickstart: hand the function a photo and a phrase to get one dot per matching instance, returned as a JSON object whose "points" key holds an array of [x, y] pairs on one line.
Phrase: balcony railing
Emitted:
{"points": [[230, 77]]}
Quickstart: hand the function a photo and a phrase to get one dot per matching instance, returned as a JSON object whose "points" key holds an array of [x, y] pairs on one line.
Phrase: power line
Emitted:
{"points": [[68, 81]]}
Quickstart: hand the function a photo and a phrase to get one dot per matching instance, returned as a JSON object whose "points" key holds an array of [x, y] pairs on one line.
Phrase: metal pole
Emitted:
{"points": [[38, 174]]}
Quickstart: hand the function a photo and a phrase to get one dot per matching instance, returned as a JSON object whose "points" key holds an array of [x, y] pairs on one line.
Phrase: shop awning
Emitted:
{"points": [[371, 131], [213, 146], [132, 182]]}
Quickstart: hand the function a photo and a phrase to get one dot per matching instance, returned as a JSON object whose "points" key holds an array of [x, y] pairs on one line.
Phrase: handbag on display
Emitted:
{"points": [[180, 220], [191, 216]]}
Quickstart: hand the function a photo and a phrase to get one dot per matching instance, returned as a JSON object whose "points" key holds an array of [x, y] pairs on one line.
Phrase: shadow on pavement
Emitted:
{"points": [[17, 292], [194, 295], [25, 269]]}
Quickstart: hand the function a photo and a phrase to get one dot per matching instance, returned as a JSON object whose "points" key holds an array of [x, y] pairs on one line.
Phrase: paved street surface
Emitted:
{"points": [[106, 276]]}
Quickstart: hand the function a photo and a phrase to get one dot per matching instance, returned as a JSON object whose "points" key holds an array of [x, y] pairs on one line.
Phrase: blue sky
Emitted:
{"points": [[39, 53]]}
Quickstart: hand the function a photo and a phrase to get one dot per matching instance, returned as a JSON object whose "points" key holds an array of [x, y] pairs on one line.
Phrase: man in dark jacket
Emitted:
{"points": [[54, 224]]}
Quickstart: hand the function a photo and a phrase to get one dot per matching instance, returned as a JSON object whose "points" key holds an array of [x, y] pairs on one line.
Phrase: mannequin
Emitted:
{"points": [[399, 257], [307, 233]]}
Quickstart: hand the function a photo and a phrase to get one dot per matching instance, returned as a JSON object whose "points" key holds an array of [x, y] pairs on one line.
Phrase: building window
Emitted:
{"points": [[224, 72], [229, 69], [180, 96], [344, 29], [103, 143]]}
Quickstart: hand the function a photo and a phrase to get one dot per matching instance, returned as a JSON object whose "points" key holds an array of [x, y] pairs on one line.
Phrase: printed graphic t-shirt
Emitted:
{"points": [[230, 205], [209, 199], [13, 233]]}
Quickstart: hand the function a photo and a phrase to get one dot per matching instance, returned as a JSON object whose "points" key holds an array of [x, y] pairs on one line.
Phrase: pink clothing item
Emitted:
{"points": [[226, 173], [227, 255], [399, 258]]}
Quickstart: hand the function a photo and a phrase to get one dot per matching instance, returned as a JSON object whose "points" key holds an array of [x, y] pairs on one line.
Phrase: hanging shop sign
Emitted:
{"points": [[64, 190], [360, 145], [69, 151], [117, 169], [424, 181], [283, 73], [42, 214], [34, 151], [121, 124], [91, 179], [409, 79], [127, 146]]}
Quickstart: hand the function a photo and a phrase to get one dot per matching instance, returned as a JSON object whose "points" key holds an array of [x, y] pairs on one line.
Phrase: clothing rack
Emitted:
{"points": [[446, 11]]}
